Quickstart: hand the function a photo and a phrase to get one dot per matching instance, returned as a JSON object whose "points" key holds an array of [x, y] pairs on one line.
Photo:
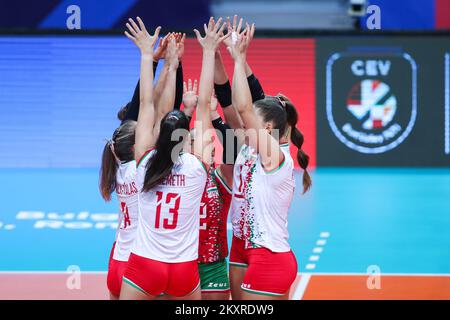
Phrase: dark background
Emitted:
{"points": [[425, 144]]}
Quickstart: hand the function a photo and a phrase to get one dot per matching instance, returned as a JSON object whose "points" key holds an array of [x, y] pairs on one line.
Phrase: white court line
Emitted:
{"points": [[314, 258], [321, 242], [318, 250], [301, 287], [306, 277], [324, 234], [310, 266], [381, 274]]}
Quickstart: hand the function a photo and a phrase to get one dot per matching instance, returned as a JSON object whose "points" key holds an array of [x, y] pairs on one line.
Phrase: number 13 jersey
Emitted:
{"points": [[169, 216]]}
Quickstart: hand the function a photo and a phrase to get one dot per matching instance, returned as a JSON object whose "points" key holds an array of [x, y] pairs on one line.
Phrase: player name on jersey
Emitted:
{"points": [[174, 180], [126, 189]]}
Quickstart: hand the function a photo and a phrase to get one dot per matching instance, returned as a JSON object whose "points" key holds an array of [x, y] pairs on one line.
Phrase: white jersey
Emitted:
{"points": [[169, 214], [261, 200], [127, 195]]}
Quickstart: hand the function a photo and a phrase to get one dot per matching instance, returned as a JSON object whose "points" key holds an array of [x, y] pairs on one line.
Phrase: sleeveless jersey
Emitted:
{"points": [[169, 216], [127, 195], [261, 200], [214, 209]]}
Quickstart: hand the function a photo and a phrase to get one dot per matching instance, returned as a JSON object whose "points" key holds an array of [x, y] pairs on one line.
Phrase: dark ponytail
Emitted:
{"points": [[297, 139], [123, 112], [161, 163], [118, 149]]}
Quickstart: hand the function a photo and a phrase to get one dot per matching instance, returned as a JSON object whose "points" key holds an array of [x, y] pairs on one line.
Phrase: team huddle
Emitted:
{"points": [[173, 196]]}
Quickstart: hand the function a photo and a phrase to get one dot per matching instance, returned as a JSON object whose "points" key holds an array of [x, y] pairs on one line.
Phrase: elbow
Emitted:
{"points": [[145, 101], [242, 107], [204, 102], [145, 104]]}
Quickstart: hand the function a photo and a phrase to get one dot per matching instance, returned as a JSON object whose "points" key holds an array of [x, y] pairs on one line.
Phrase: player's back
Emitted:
{"points": [[169, 213], [127, 196]]}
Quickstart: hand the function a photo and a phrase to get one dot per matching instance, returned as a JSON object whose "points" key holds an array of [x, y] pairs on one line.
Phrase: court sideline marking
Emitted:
{"points": [[305, 277]]}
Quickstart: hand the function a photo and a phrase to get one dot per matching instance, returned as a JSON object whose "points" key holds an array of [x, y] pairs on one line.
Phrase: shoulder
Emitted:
{"points": [[285, 167], [142, 162], [128, 170], [194, 162]]}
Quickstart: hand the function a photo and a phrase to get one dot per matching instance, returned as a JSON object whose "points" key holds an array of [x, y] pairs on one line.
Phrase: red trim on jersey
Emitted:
{"points": [[204, 165], [222, 181], [144, 155]]}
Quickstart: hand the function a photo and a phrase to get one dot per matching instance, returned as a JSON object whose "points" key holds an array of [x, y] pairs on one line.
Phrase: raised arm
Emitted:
{"points": [[259, 137], [167, 98], [225, 134], [203, 129], [146, 119], [159, 54], [180, 79], [190, 98], [132, 108], [223, 91]]}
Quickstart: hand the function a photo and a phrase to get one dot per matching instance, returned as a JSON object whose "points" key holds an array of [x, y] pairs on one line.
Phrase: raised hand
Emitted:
{"points": [[238, 48], [213, 35], [140, 36], [180, 44], [190, 98], [161, 49], [171, 56], [233, 29]]}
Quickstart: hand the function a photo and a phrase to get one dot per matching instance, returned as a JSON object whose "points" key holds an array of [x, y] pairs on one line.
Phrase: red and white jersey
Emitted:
{"points": [[127, 195], [261, 200], [169, 214], [214, 209]]}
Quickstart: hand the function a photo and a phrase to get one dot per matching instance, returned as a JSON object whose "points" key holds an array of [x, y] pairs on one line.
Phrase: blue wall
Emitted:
{"points": [[59, 98], [405, 14], [103, 14]]}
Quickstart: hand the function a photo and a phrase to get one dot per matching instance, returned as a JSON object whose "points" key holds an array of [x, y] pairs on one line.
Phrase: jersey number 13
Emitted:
{"points": [[173, 201]]}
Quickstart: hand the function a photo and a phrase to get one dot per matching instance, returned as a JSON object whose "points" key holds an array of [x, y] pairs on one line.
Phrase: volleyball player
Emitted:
{"points": [[171, 182], [214, 207], [263, 187], [118, 171], [131, 110]]}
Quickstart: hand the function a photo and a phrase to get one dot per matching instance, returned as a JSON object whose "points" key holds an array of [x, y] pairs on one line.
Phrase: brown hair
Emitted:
{"points": [[161, 163], [282, 113], [118, 149], [123, 112]]}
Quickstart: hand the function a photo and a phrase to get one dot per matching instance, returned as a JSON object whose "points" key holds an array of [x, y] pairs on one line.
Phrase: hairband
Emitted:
{"points": [[282, 102], [111, 147], [172, 116]]}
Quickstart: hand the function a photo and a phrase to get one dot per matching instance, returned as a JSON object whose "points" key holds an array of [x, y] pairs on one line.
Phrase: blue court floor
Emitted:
{"points": [[396, 220]]}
